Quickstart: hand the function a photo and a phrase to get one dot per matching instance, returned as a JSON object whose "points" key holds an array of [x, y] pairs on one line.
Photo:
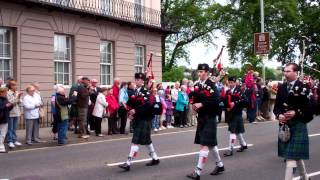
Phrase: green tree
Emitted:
{"points": [[194, 21], [287, 21], [174, 74]]}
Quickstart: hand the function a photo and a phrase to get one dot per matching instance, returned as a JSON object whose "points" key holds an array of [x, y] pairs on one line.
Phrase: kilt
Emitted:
{"points": [[141, 132], [206, 133], [235, 124], [298, 145]]}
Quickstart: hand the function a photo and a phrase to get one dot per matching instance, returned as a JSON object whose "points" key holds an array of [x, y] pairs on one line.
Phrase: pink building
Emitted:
{"points": [[54, 41]]}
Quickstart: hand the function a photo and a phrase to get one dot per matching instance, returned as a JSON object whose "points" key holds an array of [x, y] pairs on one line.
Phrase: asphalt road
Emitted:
{"points": [[97, 160]]}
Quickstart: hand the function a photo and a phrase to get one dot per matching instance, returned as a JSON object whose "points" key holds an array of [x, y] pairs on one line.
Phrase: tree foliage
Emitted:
{"points": [[194, 21], [174, 74], [287, 21]]}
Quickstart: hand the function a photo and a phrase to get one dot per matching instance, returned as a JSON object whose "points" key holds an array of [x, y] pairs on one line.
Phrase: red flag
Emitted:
{"points": [[217, 61], [149, 73]]}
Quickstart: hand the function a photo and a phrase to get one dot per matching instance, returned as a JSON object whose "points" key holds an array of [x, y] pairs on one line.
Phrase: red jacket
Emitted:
{"points": [[112, 103], [115, 92]]}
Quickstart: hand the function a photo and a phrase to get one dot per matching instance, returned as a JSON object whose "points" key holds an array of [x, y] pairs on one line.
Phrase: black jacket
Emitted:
{"points": [[296, 99], [63, 101], [4, 110], [206, 94]]}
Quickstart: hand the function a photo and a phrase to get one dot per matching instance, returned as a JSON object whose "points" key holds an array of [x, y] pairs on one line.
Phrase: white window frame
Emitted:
{"points": [[7, 58], [140, 59], [106, 63], [63, 61]]}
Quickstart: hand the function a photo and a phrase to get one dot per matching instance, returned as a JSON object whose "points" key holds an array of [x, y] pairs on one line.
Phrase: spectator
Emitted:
{"points": [[31, 104], [82, 104], [62, 112], [100, 110], [181, 106], [273, 88], [53, 111], [123, 109], [74, 114], [5, 107], [14, 97], [131, 92], [112, 112], [169, 111], [94, 91], [157, 110], [168, 90], [37, 94], [115, 92], [174, 96]]}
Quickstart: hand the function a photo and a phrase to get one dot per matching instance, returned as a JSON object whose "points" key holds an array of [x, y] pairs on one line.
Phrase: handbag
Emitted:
{"points": [[284, 133]]}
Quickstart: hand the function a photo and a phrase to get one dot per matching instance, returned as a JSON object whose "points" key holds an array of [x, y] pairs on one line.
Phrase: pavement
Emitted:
{"points": [[98, 159]]}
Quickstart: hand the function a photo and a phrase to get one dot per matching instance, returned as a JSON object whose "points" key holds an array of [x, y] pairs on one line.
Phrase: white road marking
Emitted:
{"points": [[310, 175], [169, 156], [313, 135]]}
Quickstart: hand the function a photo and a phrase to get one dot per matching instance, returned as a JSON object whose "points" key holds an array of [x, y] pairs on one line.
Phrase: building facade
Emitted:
{"points": [[54, 41]]}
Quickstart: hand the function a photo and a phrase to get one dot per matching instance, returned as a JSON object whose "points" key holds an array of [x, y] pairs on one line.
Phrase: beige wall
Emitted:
{"points": [[35, 29]]}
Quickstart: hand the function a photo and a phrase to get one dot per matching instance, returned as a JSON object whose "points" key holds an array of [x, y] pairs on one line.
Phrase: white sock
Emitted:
{"points": [[152, 152], [133, 153], [232, 141], [302, 170], [241, 139], [216, 155], [289, 169], [203, 157]]}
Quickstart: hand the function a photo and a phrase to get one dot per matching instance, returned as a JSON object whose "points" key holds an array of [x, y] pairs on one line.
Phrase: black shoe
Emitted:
{"points": [[124, 166], [218, 170], [153, 162], [194, 175], [228, 153], [242, 148]]}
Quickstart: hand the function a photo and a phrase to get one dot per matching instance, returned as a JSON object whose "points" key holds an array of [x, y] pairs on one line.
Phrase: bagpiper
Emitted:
{"points": [[234, 103], [206, 103], [294, 110], [141, 113]]}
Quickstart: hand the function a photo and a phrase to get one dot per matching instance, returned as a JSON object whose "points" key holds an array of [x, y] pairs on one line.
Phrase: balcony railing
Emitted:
{"points": [[112, 9]]}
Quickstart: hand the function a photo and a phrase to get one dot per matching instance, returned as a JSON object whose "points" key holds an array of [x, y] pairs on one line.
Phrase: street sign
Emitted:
{"points": [[261, 43]]}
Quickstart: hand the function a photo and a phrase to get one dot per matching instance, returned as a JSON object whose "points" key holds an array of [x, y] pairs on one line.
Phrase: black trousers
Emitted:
{"points": [[123, 114], [112, 126], [182, 118], [97, 124], [55, 124], [91, 119]]}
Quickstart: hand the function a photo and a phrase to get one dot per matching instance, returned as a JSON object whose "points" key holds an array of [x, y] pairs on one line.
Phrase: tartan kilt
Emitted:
{"points": [[236, 125], [298, 145], [141, 132], [206, 133]]}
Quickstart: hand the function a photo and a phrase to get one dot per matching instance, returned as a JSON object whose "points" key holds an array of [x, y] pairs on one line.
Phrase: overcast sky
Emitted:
{"points": [[199, 53]]}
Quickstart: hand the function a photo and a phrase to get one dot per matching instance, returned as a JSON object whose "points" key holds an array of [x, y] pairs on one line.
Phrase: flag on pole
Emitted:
{"points": [[149, 73]]}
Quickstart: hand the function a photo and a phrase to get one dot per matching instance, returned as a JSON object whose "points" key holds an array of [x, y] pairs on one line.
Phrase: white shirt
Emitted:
{"points": [[100, 106], [29, 104], [174, 94]]}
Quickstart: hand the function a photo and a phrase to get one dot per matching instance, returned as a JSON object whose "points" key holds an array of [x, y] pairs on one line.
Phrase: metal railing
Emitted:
{"points": [[116, 9]]}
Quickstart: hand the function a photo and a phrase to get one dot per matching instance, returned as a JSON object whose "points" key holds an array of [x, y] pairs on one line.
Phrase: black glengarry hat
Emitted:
{"points": [[139, 76], [203, 67], [232, 78]]}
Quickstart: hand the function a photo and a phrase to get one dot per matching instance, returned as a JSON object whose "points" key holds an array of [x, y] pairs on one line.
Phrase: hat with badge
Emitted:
{"points": [[204, 67], [139, 76], [232, 78]]}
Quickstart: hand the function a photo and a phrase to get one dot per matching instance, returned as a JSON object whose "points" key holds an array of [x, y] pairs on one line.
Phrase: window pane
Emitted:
{"points": [[66, 67], [103, 69], [6, 65], [7, 36], [1, 50], [6, 74], [60, 78], [66, 79], [7, 52], [109, 48], [1, 65], [109, 58], [60, 67], [1, 36], [108, 70], [108, 80]]}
